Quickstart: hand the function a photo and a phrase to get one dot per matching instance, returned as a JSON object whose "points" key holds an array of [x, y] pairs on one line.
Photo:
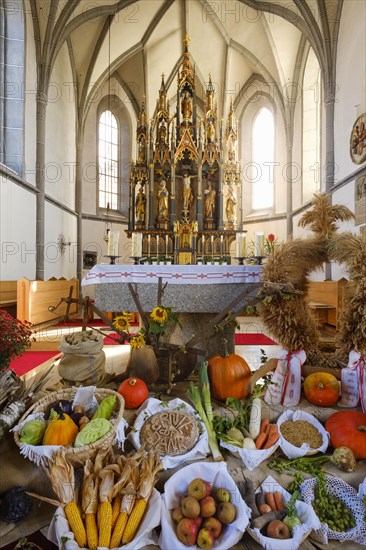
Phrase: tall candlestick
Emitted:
{"points": [[157, 245], [137, 244], [221, 244], [166, 244], [203, 244], [148, 245], [258, 244], [212, 245]]}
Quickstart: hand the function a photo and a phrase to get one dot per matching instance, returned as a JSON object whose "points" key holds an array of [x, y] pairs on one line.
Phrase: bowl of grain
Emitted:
{"points": [[301, 434]]}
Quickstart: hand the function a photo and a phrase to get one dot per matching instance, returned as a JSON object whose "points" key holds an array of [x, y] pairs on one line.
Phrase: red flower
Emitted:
{"points": [[271, 238], [15, 338]]}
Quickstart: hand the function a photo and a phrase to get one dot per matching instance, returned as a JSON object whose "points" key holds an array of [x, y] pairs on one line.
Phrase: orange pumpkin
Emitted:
{"points": [[348, 429], [321, 389], [134, 391], [229, 376]]}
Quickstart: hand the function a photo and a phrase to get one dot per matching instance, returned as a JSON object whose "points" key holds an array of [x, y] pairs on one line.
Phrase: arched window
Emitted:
{"points": [[12, 85], [311, 127], [108, 163], [263, 160]]}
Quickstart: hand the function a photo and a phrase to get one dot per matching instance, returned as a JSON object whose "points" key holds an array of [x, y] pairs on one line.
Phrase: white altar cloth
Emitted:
{"points": [[173, 274]]}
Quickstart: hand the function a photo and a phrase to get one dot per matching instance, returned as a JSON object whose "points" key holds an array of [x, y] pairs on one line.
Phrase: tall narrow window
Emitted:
{"points": [[263, 160], [108, 152], [311, 128], [12, 85]]}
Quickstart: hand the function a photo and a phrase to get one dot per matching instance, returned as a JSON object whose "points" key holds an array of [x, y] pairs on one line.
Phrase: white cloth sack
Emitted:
{"points": [[152, 406], [59, 529], [83, 396], [251, 457], [217, 474], [305, 512], [295, 452], [339, 488], [353, 382], [287, 378]]}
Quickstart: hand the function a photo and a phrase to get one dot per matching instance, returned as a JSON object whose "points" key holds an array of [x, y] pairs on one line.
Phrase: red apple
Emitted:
{"points": [[277, 529], [213, 525], [198, 521], [208, 507], [187, 531], [177, 514], [190, 507], [199, 488], [205, 538]]}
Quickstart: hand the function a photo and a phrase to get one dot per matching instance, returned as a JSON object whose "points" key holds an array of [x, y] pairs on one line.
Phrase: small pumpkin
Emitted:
{"points": [[348, 429], [321, 389], [61, 430], [134, 391], [229, 376]]}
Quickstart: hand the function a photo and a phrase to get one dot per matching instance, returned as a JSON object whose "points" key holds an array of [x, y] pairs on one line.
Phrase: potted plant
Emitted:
{"points": [[208, 259], [16, 338]]}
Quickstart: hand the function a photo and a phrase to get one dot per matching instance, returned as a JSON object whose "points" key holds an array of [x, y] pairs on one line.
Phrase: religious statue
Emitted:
{"points": [[163, 195], [210, 198], [140, 205], [230, 205], [162, 132], [210, 131], [186, 106], [187, 191], [141, 150]]}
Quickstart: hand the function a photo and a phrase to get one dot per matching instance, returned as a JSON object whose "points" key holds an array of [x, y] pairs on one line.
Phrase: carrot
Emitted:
{"points": [[271, 440], [271, 501], [260, 441], [278, 500], [264, 425]]}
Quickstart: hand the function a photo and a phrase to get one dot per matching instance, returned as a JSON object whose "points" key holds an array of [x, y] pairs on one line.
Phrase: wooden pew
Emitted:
{"points": [[326, 299], [8, 296], [37, 299]]}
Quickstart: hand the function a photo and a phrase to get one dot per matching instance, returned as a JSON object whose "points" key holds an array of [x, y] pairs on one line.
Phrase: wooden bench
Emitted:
{"points": [[39, 301], [8, 296], [326, 299]]}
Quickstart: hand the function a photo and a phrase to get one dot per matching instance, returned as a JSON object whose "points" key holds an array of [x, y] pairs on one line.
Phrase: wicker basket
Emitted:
{"points": [[77, 456]]}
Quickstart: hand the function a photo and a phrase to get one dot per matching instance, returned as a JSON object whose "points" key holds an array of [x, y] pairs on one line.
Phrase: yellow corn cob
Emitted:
{"points": [[105, 528], [134, 520], [116, 508], [98, 515], [91, 531], [76, 523], [119, 529]]}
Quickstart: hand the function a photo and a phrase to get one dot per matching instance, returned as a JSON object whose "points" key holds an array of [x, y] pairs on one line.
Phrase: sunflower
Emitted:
{"points": [[122, 322], [137, 341], [159, 314]]}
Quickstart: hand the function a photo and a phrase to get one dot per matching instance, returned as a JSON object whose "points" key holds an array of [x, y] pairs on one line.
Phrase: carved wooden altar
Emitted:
{"points": [[185, 191]]}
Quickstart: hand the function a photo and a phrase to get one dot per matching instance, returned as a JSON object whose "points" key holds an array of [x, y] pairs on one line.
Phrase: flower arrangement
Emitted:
{"points": [[16, 338], [270, 244], [159, 321]]}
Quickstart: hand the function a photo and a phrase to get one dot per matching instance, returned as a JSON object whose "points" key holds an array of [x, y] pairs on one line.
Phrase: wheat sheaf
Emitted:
{"points": [[287, 315]]}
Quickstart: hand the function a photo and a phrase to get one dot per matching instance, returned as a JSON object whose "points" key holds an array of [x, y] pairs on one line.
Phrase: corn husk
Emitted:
{"points": [[148, 470]]}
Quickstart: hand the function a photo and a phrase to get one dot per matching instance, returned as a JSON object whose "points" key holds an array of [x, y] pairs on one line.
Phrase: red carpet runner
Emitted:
{"points": [[31, 359]]}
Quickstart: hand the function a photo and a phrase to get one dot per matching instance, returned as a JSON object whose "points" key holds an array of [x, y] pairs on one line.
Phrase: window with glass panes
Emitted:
{"points": [[108, 150]]}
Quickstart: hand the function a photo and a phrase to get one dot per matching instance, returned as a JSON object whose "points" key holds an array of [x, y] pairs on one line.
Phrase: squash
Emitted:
{"points": [[229, 376], [62, 430], [348, 429], [134, 391], [321, 389]]}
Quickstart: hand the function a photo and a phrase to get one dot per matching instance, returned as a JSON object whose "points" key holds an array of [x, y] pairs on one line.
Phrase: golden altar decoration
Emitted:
{"points": [[185, 188]]}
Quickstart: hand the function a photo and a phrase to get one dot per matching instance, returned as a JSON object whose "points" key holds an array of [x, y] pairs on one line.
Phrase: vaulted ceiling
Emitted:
{"points": [[137, 41]]}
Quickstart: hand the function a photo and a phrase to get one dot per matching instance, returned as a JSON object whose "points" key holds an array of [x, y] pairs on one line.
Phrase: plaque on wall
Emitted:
{"points": [[358, 140], [360, 200]]}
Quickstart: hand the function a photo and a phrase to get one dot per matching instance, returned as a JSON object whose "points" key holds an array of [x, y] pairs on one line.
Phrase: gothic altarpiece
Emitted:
{"points": [[185, 191]]}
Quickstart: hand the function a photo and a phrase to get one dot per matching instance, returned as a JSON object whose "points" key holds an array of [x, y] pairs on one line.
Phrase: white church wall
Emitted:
{"points": [[58, 265], [60, 132], [18, 231]]}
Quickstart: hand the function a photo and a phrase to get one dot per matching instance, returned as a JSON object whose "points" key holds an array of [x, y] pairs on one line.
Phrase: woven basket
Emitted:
{"points": [[77, 456]]}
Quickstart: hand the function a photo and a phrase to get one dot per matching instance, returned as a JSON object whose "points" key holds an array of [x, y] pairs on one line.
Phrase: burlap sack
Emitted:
{"points": [[83, 362]]}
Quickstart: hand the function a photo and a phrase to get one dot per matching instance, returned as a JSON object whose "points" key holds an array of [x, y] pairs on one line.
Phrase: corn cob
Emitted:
{"points": [[105, 529], [91, 531], [116, 509], [134, 520], [73, 516], [119, 529]]}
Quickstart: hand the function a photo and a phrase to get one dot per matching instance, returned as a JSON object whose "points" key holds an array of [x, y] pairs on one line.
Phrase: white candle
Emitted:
{"points": [[137, 244], [243, 246], [203, 244], [148, 245], [166, 244], [157, 244], [221, 244], [212, 245], [258, 244], [113, 243]]}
